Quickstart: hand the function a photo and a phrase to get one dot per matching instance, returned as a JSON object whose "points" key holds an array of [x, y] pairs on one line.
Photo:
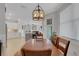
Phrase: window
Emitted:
{"points": [[49, 21]]}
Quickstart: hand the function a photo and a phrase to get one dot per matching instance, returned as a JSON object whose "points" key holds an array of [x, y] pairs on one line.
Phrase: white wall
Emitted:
{"points": [[55, 23], [2, 24], [69, 20], [66, 22], [76, 19]]}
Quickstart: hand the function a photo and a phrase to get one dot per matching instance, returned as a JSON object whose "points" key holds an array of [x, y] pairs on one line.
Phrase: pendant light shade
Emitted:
{"points": [[38, 13]]}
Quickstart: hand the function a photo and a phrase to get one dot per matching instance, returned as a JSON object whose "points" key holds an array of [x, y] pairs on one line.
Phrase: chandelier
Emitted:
{"points": [[38, 13]]}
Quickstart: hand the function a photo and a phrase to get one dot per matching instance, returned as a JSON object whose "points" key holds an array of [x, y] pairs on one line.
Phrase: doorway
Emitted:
{"points": [[13, 39], [49, 28], [49, 31]]}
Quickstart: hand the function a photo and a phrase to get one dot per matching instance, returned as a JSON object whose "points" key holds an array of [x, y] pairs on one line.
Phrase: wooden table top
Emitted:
{"points": [[37, 45]]}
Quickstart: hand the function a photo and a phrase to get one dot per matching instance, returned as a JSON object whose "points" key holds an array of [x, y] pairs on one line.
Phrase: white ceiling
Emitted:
{"points": [[23, 11]]}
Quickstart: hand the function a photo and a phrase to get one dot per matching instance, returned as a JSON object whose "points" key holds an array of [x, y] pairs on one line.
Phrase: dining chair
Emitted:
{"points": [[54, 40], [39, 36], [60, 46], [63, 45]]}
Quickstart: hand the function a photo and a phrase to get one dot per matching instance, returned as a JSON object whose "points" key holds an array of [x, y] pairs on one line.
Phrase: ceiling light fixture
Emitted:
{"points": [[38, 13]]}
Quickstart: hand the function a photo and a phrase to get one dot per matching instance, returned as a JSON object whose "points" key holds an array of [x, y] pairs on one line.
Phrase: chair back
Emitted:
{"points": [[63, 45], [55, 40], [39, 35]]}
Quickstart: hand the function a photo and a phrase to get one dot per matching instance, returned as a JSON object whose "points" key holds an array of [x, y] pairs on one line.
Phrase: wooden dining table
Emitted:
{"points": [[39, 46]]}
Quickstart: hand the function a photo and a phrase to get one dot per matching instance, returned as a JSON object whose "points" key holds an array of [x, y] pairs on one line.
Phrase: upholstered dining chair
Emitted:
{"points": [[39, 35]]}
